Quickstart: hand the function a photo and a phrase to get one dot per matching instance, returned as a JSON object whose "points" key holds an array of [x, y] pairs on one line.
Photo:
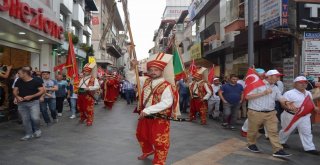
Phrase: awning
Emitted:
{"points": [[220, 51], [91, 5], [113, 50], [183, 16]]}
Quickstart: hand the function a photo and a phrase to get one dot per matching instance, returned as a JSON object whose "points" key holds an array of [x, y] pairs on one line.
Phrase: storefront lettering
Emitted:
{"points": [[33, 17], [313, 9]]}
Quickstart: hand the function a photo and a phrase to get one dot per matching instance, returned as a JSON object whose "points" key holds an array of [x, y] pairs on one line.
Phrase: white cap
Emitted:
{"points": [[273, 72], [300, 79], [215, 79]]}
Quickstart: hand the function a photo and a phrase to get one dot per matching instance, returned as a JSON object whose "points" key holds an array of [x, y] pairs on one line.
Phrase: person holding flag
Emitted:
{"points": [[87, 87], [200, 92], [158, 102], [261, 96], [300, 117]]}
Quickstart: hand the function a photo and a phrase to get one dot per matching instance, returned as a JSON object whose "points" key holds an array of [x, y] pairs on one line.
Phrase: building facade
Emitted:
{"points": [[109, 54]]}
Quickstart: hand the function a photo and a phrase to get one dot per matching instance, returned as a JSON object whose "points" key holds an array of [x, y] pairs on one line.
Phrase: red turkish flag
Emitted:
{"points": [[252, 81], [59, 67], [71, 64], [95, 20], [211, 75], [193, 68], [306, 107]]}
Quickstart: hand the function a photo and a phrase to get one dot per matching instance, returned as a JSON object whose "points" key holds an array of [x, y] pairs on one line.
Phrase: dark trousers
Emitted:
{"points": [[59, 104], [129, 95], [184, 99], [279, 110]]}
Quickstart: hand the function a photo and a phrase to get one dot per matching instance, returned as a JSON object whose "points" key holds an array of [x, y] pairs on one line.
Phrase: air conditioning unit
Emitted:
{"points": [[229, 37], [215, 44]]}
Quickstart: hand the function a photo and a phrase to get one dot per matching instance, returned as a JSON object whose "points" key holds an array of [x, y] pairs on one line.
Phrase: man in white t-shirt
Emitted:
{"points": [[214, 100], [303, 124]]}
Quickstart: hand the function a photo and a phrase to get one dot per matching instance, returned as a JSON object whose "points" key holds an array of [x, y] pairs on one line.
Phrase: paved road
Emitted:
{"points": [[111, 141]]}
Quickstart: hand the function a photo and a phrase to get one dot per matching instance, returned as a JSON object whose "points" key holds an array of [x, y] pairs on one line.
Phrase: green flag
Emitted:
{"points": [[178, 66]]}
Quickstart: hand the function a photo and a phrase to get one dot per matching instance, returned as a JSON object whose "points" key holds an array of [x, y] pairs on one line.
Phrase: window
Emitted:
{"points": [[235, 10]]}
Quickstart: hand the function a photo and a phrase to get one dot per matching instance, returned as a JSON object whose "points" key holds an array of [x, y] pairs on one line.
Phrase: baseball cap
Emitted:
{"points": [[215, 79], [45, 71], [260, 71], [300, 79], [273, 72]]}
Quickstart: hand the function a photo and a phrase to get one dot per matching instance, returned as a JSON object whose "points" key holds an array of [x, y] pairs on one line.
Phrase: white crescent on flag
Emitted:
{"points": [[256, 78]]}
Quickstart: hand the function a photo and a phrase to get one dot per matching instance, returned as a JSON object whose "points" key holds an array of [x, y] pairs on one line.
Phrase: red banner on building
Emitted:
{"points": [[95, 20]]}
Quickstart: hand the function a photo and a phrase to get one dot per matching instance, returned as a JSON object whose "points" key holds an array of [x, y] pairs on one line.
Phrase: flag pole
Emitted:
{"points": [[132, 51]]}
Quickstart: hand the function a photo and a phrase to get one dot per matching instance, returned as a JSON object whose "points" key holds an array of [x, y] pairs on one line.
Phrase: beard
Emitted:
{"points": [[154, 76]]}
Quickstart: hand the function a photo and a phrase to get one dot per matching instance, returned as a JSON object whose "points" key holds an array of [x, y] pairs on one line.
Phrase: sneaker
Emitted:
{"points": [[232, 127], [313, 152], [253, 148], [285, 145], [224, 124], [281, 154], [37, 134], [60, 114], [27, 137], [72, 117]]}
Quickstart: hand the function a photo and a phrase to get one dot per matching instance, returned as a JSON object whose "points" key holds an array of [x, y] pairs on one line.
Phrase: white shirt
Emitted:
{"points": [[166, 97], [215, 88], [195, 89], [266, 102], [85, 85], [296, 96], [280, 86]]}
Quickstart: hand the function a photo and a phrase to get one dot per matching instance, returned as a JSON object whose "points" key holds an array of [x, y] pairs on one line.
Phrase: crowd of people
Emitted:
{"points": [[162, 99], [32, 95]]}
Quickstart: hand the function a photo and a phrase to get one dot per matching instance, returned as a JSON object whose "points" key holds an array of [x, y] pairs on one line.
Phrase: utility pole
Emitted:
{"points": [[250, 34]]}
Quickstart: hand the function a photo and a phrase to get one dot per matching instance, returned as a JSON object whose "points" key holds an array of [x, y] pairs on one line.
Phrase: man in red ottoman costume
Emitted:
{"points": [[158, 101]]}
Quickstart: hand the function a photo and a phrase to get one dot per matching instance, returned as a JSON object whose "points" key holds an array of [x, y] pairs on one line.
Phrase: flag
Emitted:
{"points": [[211, 75], [59, 67], [306, 107], [95, 20], [100, 72], [71, 64], [192, 68], [178, 66], [252, 81]]}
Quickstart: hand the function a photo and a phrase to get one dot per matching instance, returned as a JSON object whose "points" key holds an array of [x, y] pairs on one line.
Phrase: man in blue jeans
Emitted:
{"points": [[129, 91], [49, 98], [232, 97], [27, 92]]}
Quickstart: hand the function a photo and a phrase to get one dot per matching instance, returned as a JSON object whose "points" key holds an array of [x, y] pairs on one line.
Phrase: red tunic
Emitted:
{"points": [[153, 134], [110, 91], [197, 104], [85, 104]]}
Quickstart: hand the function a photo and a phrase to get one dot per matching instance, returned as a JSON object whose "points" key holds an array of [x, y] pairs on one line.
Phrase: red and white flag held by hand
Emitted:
{"points": [[192, 68], [252, 81], [211, 75], [306, 107]]}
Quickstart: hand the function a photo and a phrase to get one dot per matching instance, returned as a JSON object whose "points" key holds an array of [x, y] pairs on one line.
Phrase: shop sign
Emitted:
{"points": [[311, 53], [288, 71], [34, 17], [273, 13], [196, 7], [308, 16], [195, 51]]}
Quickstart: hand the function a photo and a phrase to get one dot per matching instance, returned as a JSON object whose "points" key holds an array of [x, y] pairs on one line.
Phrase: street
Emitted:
{"points": [[111, 141]]}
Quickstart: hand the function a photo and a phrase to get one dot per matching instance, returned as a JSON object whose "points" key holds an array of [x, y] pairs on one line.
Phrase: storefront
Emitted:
{"points": [[28, 30]]}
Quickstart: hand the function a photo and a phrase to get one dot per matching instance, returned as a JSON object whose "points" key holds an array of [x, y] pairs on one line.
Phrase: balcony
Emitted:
{"points": [[78, 15], [211, 30], [236, 25], [66, 5], [87, 30], [113, 49]]}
